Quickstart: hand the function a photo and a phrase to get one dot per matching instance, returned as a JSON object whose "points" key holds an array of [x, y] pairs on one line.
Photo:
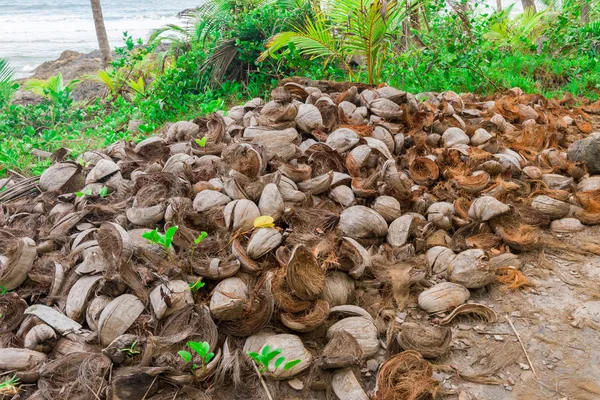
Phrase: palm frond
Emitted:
{"points": [[7, 73]]}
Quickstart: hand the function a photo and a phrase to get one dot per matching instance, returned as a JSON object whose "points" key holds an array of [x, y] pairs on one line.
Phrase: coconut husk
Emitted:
{"points": [[406, 376], [304, 275], [429, 341], [341, 351], [479, 311], [308, 321], [511, 277], [283, 296], [256, 315]]}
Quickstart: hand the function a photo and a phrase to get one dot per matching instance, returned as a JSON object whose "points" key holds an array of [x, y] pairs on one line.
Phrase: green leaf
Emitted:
{"points": [[198, 348], [201, 142], [255, 356], [279, 361], [291, 364], [271, 356], [169, 236], [152, 236], [79, 194], [208, 357], [266, 350], [103, 191], [203, 235], [186, 355]]}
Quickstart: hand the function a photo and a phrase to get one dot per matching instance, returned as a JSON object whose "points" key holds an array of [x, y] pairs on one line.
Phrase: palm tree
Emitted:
{"points": [[498, 5], [346, 28], [7, 82], [529, 4], [101, 32]]}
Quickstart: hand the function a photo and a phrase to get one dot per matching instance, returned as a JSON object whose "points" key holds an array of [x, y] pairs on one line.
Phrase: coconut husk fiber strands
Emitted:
{"points": [[304, 224]]}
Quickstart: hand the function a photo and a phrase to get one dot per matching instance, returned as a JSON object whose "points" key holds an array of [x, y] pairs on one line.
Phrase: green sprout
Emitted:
{"points": [[203, 235], [194, 287], [163, 240], [263, 359], [3, 290], [202, 142], [131, 349], [9, 386], [86, 193], [103, 192], [200, 348]]}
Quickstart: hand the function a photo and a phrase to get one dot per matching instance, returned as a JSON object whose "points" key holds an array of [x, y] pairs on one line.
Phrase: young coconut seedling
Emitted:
{"points": [[9, 386], [262, 360], [164, 240], [131, 351], [196, 286], [202, 142], [200, 348]]}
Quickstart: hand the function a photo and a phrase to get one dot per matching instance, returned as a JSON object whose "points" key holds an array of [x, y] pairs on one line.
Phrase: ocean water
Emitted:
{"points": [[34, 31]]}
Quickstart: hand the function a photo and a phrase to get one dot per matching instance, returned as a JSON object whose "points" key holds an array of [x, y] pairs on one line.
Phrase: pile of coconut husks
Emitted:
{"points": [[329, 211]]}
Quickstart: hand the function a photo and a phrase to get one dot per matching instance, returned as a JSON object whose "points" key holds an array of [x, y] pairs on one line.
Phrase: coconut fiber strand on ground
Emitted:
{"points": [[392, 219]]}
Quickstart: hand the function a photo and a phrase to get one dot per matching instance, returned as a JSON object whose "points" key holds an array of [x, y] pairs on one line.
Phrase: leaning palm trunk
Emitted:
{"points": [[101, 32], [529, 4], [584, 13], [499, 5]]}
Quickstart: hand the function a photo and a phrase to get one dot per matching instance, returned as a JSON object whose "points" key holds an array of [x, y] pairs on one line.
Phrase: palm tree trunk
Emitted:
{"points": [[101, 32], [584, 13], [499, 5], [529, 4]]}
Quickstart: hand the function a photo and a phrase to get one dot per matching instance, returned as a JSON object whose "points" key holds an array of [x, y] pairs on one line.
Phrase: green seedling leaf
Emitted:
{"points": [[267, 359], [201, 142], [255, 356], [200, 238], [88, 192], [103, 192], [198, 347], [266, 350], [168, 238], [3, 290], [194, 287], [209, 357], [291, 364], [186, 355], [79, 194], [279, 361], [152, 236]]}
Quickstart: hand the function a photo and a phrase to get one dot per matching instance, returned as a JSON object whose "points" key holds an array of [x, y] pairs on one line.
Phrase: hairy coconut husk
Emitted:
{"points": [[406, 376], [304, 275], [424, 171], [430, 341], [479, 311], [16, 260], [308, 321], [283, 295], [341, 351]]}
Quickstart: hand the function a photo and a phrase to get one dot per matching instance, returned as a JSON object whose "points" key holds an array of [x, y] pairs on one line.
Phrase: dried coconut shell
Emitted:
{"points": [[343, 195], [229, 299], [342, 140], [308, 118], [308, 321], [341, 351], [553, 208], [58, 321], [146, 216], [338, 288], [262, 241], [304, 275], [102, 171], [40, 338], [79, 296], [474, 183], [566, 225], [353, 257], [62, 177], [443, 297], [441, 215], [170, 297], [317, 185], [117, 317], [400, 230], [12, 359], [430, 341], [94, 309], [487, 207], [240, 215], [346, 386], [208, 199], [438, 258], [362, 329], [361, 222], [470, 269], [16, 261], [424, 171]]}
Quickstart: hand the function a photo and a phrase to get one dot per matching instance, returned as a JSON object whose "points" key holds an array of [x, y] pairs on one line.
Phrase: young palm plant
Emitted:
{"points": [[52, 88], [346, 28], [7, 82]]}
